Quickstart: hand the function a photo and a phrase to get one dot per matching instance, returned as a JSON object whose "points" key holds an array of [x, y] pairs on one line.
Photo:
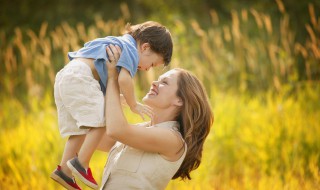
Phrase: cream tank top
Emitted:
{"points": [[130, 168]]}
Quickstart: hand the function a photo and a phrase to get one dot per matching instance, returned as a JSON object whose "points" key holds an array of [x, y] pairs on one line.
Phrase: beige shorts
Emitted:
{"points": [[79, 99]]}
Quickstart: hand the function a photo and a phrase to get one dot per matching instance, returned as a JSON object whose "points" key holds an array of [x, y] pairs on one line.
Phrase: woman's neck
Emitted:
{"points": [[162, 116]]}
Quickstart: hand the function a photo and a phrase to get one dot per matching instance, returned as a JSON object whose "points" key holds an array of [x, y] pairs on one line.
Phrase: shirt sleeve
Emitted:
{"points": [[128, 61]]}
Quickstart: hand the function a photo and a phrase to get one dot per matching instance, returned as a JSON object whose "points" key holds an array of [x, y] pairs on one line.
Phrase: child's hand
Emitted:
{"points": [[142, 110]]}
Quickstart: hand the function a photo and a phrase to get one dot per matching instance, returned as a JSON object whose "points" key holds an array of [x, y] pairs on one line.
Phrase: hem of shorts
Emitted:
{"points": [[72, 134], [88, 126]]}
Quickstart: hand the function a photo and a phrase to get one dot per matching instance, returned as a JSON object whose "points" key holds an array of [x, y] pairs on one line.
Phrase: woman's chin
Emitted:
{"points": [[148, 96], [147, 99]]}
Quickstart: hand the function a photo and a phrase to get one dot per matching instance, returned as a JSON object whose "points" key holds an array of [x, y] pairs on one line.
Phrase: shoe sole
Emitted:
{"points": [[83, 179], [61, 181]]}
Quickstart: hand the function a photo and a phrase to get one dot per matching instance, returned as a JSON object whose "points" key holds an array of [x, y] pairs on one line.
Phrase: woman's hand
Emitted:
{"points": [[114, 55]]}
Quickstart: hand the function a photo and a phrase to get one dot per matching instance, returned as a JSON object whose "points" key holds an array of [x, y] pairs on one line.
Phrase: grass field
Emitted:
{"points": [[262, 83], [256, 143]]}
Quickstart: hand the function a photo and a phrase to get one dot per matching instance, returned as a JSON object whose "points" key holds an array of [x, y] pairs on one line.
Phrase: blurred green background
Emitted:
{"points": [[259, 61]]}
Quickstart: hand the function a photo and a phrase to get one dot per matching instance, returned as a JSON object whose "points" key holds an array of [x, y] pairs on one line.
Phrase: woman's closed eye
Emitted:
{"points": [[163, 82]]}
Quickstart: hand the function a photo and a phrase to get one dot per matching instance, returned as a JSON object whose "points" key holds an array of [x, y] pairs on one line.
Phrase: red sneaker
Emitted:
{"points": [[64, 180], [84, 175]]}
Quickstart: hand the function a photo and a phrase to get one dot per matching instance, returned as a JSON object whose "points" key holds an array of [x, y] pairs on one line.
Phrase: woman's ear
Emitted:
{"points": [[178, 102]]}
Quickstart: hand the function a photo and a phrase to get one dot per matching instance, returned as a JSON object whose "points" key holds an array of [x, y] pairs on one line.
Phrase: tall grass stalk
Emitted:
{"points": [[263, 85]]}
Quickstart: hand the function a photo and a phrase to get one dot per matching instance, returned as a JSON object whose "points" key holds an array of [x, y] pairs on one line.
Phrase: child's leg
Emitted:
{"points": [[90, 144], [80, 164], [71, 149], [106, 143]]}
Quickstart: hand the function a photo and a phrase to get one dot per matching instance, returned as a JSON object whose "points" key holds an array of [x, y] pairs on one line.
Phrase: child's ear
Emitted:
{"points": [[145, 46]]}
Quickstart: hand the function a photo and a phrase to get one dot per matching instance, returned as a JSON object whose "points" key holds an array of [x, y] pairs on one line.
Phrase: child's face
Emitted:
{"points": [[148, 58]]}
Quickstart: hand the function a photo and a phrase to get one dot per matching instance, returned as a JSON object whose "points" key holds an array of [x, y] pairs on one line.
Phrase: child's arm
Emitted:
{"points": [[127, 88], [123, 100]]}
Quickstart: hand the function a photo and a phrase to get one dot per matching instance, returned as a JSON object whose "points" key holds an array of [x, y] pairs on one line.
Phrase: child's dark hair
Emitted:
{"points": [[156, 35]]}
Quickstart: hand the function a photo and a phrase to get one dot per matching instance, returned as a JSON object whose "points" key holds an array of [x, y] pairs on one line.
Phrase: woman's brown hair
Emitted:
{"points": [[157, 35], [195, 118]]}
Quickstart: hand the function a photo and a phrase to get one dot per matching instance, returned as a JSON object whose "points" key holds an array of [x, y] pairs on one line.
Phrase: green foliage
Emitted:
{"points": [[252, 54]]}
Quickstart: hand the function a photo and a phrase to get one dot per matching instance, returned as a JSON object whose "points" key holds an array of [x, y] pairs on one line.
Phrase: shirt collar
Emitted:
{"points": [[169, 124], [130, 39]]}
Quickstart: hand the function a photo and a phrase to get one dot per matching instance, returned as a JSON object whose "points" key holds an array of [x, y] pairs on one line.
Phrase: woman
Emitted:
{"points": [[148, 155]]}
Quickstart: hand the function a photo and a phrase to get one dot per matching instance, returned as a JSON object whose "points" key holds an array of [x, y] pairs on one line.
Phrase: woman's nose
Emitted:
{"points": [[155, 83]]}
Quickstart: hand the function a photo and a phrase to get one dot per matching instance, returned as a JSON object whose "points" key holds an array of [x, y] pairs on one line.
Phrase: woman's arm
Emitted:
{"points": [[156, 139]]}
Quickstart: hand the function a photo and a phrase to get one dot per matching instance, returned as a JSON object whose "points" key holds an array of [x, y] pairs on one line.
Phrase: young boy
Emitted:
{"points": [[80, 87]]}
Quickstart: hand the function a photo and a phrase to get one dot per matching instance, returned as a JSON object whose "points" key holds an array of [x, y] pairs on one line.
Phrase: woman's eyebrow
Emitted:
{"points": [[162, 78]]}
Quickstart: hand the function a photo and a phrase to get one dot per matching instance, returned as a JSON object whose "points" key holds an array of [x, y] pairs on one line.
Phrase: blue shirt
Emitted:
{"points": [[96, 49]]}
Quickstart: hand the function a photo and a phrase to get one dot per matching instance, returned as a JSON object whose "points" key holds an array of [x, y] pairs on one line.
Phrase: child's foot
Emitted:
{"points": [[84, 175], [64, 180]]}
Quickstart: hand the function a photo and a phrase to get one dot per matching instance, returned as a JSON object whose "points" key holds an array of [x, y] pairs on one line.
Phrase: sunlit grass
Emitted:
{"points": [[258, 143], [263, 87]]}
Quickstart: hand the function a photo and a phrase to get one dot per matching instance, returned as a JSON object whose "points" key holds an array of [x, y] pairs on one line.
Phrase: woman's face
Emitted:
{"points": [[162, 93]]}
